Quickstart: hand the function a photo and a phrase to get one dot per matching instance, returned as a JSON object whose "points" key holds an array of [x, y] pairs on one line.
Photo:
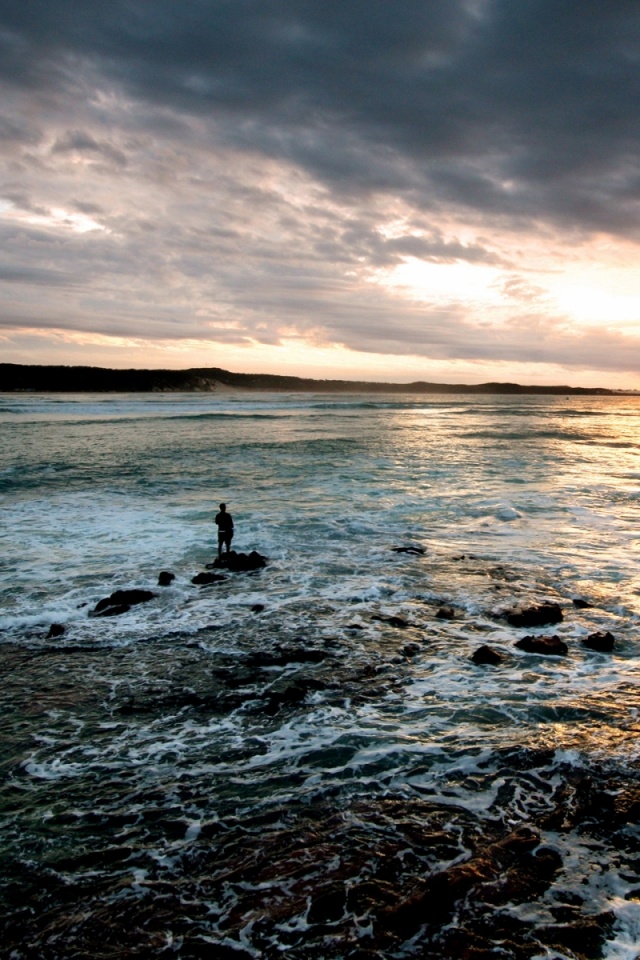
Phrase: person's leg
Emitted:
{"points": [[220, 542]]}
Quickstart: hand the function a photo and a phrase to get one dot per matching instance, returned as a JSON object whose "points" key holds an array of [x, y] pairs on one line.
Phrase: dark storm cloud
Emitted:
{"points": [[33, 275], [523, 109], [81, 142]]}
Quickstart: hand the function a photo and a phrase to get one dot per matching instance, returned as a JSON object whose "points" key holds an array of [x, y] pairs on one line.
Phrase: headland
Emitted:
{"points": [[15, 378]]}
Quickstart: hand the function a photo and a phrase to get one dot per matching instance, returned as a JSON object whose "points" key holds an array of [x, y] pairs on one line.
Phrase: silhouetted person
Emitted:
{"points": [[224, 522]]}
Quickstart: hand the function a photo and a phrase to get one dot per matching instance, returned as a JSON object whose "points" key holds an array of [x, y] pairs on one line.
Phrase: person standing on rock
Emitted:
{"points": [[224, 522]]}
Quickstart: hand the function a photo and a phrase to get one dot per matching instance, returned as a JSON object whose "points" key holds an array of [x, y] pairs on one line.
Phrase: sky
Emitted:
{"points": [[443, 190]]}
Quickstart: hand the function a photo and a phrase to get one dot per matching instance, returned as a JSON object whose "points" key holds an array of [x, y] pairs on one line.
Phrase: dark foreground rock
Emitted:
{"points": [[445, 613], [202, 579], [358, 871], [393, 621], [548, 646], [602, 642], [486, 655], [538, 616], [120, 601], [238, 562], [504, 870]]}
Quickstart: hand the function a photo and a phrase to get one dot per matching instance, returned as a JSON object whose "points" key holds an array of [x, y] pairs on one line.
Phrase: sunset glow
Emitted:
{"points": [[445, 194]]}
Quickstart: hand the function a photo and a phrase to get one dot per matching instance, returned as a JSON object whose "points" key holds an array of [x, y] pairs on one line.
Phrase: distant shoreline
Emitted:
{"points": [[27, 378]]}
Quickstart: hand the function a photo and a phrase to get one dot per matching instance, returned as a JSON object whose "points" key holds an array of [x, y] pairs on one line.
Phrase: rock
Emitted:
{"points": [[486, 655], [257, 608], [548, 646], [328, 907], [411, 649], [166, 578], [204, 578], [122, 598], [602, 642], [112, 611], [581, 604], [418, 551], [399, 622], [502, 871], [585, 937], [238, 562], [282, 656], [445, 613], [536, 616], [56, 630]]}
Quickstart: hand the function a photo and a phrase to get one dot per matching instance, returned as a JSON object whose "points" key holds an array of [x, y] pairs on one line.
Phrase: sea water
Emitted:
{"points": [[159, 764]]}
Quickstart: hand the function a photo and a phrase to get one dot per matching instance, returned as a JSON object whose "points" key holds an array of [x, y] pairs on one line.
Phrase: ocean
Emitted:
{"points": [[304, 760]]}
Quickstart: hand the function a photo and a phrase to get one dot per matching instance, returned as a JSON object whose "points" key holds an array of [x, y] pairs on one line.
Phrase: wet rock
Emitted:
{"points": [[486, 655], [328, 907], [257, 608], [549, 646], [581, 604], [202, 579], [585, 937], [627, 807], [500, 873], [239, 562], [165, 578], [91, 859], [399, 622], [122, 598], [56, 630], [285, 655], [436, 897], [114, 611], [445, 613], [591, 803], [411, 649], [538, 616], [602, 642], [418, 551], [292, 695]]}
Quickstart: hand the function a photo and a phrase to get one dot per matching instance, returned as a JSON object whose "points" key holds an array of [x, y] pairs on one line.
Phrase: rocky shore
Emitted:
{"points": [[337, 872]]}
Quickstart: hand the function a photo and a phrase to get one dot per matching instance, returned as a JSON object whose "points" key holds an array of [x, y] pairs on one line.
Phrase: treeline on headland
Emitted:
{"points": [[15, 377]]}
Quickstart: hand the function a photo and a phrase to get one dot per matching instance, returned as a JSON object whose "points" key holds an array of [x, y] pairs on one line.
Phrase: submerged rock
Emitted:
{"points": [[486, 655], [602, 642], [548, 646], [418, 551], [56, 630], [165, 578], [120, 601], [538, 616]]}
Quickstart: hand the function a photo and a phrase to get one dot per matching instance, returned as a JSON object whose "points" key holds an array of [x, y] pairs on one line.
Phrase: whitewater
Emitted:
{"points": [[296, 761]]}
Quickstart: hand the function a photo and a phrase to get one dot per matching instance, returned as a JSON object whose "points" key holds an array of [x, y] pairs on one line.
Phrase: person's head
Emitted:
{"points": [[223, 507]]}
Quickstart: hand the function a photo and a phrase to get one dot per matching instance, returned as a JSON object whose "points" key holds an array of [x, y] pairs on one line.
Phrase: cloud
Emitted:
{"points": [[246, 171], [514, 109]]}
